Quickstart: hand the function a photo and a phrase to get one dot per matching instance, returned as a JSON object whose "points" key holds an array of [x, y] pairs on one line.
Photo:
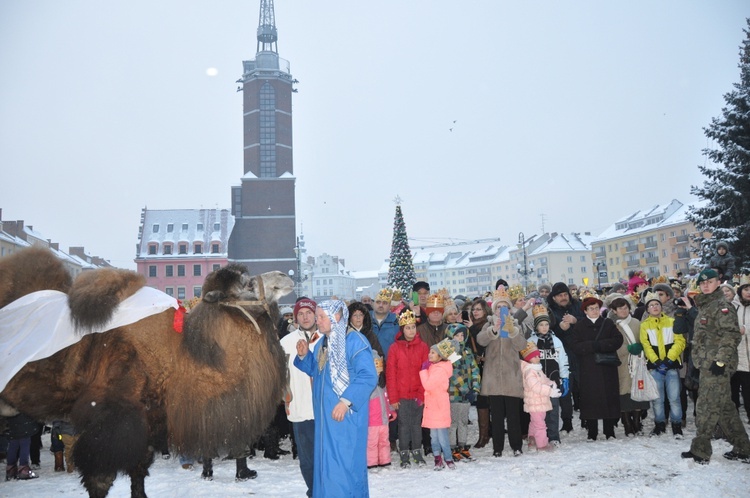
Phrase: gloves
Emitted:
{"points": [[670, 364], [654, 365], [565, 387], [716, 369], [596, 347], [554, 393], [662, 367], [426, 365], [635, 349], [471, 396]]}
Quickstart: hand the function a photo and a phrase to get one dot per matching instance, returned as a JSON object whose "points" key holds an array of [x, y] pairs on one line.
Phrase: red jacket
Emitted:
{"points": [[405, 360]]}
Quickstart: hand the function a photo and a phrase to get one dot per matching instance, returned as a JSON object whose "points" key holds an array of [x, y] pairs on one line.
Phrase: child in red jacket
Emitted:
{"points": [[405, 358]]}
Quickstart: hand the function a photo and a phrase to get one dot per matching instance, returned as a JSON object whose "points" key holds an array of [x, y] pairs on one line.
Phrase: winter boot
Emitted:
{"points": [[567, 425], [59, 465], [637, 422], [270, 442], [25, 472], [243, 473], [677, 430], [627, 424], [532, 443], [456, 453], [465, 455], [659, 429], [450, 464], [483, 418], [593, 429], [405, 459], [439, 463], [417, 456], [208, 469], [11, 472]]}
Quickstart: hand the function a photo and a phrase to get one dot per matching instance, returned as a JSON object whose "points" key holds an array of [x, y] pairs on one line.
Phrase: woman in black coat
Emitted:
{"points": [[599, 384]]}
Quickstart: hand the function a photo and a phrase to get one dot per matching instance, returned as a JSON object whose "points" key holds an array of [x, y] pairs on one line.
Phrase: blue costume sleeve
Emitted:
{"points": [[362, 375], [307, 364]]}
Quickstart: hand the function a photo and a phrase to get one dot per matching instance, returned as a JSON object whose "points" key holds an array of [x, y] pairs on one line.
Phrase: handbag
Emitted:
{"points": [[644, 386], [609, 359]]}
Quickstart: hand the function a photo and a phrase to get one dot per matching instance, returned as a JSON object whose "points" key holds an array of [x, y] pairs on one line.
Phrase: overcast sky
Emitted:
{"points": [[573, 112]]}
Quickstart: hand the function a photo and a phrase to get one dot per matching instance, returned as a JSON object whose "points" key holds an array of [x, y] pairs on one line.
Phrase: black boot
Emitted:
{"points": [[659, 429], [243, 473], [593, 428], [627, 424], [567, 425], [270, 442], [637, 422], [609, 427], [208, 469], [677, 430]]}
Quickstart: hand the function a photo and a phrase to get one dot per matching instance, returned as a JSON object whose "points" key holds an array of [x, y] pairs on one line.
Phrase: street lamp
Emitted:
{"points": [[598, 265], [299, 275], [527, 269]]}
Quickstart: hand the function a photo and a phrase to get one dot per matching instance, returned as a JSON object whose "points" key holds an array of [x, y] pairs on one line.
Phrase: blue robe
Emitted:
{"points": [[340, 463]]}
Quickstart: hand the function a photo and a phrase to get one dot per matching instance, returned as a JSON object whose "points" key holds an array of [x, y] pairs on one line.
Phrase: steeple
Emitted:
{"points": [[267, 34]]}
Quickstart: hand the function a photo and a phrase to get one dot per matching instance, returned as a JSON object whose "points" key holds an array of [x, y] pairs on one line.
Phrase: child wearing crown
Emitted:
{"points": [[404, 386], [435, 376], [537, 391]]}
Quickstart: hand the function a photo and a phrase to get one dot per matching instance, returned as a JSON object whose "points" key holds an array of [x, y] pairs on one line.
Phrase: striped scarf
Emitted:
{"points": [[337, 344]]}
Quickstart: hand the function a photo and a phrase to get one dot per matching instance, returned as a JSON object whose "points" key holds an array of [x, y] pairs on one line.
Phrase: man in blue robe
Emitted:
{"points": [[343, 377]]}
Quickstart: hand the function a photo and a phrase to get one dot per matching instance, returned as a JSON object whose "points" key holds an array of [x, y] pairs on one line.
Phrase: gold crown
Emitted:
{"points": [[692, 288], [651, 296], [384, 295], [407, 318], [539, 310], [446, 348], [501, 295], [435, 301], [586, 294], [396, 295], [661, 279], [528, 349], [744, 279], [515, 292]]}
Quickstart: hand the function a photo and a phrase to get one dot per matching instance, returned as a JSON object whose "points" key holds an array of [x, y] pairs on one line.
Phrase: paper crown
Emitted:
{"points": [[651, 296], [435, 301], [744, 279], [539, 310], [501, 296], [661, 279], [586, 294], [407, 318], [446, 349], [385, 295], [515, 292], [396, 297], [529, 351]]}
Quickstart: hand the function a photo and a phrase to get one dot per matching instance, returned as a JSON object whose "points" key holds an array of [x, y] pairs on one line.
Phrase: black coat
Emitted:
{"points": [[21, 426], [599, 385]]}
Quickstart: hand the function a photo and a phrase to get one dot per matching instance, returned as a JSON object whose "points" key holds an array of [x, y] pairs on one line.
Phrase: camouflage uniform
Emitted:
{"points": [[716, 337]]}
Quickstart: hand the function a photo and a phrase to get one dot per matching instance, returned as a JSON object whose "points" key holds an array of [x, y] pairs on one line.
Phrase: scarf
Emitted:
{"points": [[337, 344]]}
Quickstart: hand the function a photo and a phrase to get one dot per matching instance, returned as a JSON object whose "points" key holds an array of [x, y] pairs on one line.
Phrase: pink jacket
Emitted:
{"points": [[381, 411], [437, 405], [536, 390]]}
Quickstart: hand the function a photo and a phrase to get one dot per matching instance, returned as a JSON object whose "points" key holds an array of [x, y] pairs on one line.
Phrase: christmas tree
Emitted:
{"points": [[726, 213], [401, 269]]}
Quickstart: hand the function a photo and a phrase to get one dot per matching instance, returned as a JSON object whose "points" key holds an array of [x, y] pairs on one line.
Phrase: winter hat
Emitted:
{"points": [[501, 281], [305, 302], [728, 286], [619, 287], [420, 285], [706, 274], [590, 301], [664, 288], [610, 298], [456, 328], [446, 349], [540, 314], [286, 310], [722, 244], [637, 279], [529, 352], [545, 286], [558, 288]]}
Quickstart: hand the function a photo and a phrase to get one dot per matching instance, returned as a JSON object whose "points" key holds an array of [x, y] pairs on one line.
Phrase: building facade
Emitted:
{"points": [[177, 248], [263, 237]]}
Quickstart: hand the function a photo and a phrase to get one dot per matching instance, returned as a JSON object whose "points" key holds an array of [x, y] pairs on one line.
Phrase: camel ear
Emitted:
{"points": [[213, 296]]}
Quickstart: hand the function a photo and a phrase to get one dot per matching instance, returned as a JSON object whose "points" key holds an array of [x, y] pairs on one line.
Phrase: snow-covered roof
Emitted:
{"points": [[184, 225], [564, 242], [643, 220]]}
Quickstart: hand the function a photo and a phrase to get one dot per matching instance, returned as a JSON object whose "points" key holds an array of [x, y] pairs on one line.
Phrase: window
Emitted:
{"points": [[197, 291], [200, 227], [169, 271], [198, 249], [155, 228], [611, 261], [196, 270], [183, 248], [663, 237], [570, 281], [216, 266], [615, 246], [181, 271], [180, 293], [167, 249], [151, 270], [152, 248], [583, 259], [184, 227], [267, 131], [570, 269], [170, 227], [570, 259], [169, 291], [217, 227], [584, 269], [214, 248]]}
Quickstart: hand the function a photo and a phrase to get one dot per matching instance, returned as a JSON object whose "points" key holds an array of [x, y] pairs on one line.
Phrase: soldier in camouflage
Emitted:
{"points": [[715, 341]]}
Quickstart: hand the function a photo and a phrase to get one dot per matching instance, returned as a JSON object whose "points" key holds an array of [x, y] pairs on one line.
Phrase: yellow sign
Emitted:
{"points": [[585, 280]]}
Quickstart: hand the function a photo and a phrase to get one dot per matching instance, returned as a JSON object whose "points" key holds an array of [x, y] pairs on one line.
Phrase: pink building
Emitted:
{"points": [[177, 248]]}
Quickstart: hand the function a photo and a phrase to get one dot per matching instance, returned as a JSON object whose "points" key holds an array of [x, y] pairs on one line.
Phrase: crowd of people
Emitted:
{"points": [[394, 378]]}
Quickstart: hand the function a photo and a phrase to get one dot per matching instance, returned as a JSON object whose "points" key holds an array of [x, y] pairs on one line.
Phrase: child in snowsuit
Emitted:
{"points": [[435, 375], [381, 413], [462, 390], [537, 390], [20, 427]]}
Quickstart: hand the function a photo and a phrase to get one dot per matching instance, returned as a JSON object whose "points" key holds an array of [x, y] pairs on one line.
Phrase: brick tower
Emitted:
{"points": [[263, 237]]}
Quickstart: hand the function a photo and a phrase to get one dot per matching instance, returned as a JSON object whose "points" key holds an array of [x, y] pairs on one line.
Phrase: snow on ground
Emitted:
{"points": [[626, 467]]}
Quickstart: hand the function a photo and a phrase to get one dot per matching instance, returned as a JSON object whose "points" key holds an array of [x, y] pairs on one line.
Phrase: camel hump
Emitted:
{"points": [[30, 270], [95, 295]]}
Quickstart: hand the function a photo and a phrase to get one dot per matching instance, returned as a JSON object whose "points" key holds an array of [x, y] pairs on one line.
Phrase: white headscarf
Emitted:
{"points": [[337, 344]]}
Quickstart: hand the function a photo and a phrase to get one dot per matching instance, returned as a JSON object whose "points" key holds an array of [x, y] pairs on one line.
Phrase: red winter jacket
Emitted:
{"points": [[405, 360]]}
